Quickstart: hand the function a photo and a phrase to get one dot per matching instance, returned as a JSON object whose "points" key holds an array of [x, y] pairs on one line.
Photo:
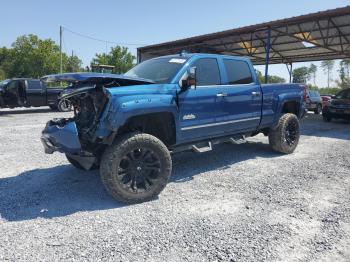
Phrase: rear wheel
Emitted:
{"points": [[285, 137], [318, 109], [136, 168]]}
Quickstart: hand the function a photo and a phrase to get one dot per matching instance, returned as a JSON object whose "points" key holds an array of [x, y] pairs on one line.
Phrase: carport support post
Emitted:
{"points": [[138, 56], [267, 49], [290, 71]]}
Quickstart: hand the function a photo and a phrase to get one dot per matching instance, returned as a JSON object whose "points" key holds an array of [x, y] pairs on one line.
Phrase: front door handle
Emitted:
{"points": [[221, 94], [255, 93]]}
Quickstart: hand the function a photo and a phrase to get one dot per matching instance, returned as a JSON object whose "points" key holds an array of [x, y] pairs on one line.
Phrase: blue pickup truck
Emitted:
{"points": [[129, 125]]}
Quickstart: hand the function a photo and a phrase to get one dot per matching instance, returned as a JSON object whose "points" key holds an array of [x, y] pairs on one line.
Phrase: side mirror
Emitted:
{"points": [[191, 79]]}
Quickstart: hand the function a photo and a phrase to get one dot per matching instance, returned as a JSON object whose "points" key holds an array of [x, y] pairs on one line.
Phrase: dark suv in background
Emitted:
{"points": [[27, 92], [339, 106], [313, 101]]}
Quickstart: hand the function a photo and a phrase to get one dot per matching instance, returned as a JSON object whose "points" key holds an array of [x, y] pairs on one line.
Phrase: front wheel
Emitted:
{"points": [[136, 168], [64, 105], [285, 137]]}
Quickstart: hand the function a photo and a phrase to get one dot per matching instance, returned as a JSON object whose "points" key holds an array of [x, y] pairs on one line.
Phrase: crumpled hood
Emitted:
{"points": [[96, 78], [83, 82], [142, 90]]}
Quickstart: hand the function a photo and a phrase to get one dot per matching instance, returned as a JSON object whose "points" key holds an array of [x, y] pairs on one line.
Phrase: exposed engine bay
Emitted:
{"points": [[88, 95], [88, 107]]}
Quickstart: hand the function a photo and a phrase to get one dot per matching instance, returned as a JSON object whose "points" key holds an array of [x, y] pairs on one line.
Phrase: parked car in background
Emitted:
{"points": [[27, 92], [128, 124], [313, 101], [339, 106], [325, 100]]}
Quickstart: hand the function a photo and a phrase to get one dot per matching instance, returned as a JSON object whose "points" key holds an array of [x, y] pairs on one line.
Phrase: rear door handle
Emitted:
{"points": [[255, 93], [221, 94]]}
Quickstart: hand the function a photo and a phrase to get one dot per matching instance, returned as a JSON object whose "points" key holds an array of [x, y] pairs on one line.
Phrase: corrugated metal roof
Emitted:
{"points": [[312, 37]]}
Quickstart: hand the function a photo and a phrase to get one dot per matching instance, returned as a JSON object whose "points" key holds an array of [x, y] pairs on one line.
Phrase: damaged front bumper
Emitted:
{"points": [[61, 135]]}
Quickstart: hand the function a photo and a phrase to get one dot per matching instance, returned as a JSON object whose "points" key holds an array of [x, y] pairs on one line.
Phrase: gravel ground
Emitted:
{"points": [[235, 203]]}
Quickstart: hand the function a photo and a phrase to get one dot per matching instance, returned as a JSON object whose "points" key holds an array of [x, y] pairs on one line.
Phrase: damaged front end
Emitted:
{"points": [[76, 136]]}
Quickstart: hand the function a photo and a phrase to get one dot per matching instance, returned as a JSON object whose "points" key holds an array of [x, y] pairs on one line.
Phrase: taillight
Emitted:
{"points": [[305, 94]]}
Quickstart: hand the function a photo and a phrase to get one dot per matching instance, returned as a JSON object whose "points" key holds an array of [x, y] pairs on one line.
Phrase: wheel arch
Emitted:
{"points": [[292, 106], [159, 124]]}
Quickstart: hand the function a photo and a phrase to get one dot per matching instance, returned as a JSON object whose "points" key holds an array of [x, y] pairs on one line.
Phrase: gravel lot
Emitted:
{"points": [[236, 203]]}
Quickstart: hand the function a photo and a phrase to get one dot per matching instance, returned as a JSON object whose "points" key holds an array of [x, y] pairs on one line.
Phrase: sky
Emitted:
{"points": [[139, 23]]}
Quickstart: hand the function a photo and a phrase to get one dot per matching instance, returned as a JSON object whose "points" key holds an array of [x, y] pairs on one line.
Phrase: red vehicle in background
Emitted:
{"points": [[325, 100], [313, 100]]}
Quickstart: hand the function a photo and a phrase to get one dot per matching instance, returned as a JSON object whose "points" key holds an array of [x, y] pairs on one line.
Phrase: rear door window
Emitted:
{"points": [[207, 72], [238, 72], [34, 85]]}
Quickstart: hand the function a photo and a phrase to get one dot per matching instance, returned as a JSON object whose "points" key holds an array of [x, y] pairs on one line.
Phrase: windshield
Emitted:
{"points": [[159, 70], [314, 93], [5, 82], [345, 94]]}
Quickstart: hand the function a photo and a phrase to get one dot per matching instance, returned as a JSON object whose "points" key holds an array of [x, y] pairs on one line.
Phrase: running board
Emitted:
{"points": [[202, 149], [206, 146], [238, 141]]}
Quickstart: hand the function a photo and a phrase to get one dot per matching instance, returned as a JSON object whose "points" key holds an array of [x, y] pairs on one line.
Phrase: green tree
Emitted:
{"points": [[5, 59], [301, 75], [2, 75], [72, 64], [272, 78], [327, 67], [276, 79], [344, 70], [312, 72], [329, 91], [120, 57], [34, 57]]}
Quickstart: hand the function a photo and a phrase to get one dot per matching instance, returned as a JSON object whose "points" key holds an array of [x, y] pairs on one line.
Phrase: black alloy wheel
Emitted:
{"points": [[291, 133], [139, 170], [136, 167]]}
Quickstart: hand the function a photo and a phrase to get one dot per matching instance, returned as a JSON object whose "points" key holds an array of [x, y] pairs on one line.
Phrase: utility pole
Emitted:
{"points": [[61, 34], [267, 60]]}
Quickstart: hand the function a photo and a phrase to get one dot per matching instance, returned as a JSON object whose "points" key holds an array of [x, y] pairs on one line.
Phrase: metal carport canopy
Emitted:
{"points": [[313, 37]]}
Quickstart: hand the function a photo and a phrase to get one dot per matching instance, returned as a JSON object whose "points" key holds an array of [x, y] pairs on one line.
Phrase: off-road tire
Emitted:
{"points": [[112, 159], [279, 138], [76, 164], [318, 109], [64, 105]]}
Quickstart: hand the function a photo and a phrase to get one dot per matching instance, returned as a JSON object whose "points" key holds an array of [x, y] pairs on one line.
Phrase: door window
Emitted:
{"points": [[238, 72], [207, 72], [34, 85]]}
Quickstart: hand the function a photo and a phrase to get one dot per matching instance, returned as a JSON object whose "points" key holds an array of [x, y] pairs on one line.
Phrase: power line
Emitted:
{"points": [[101, 40]]}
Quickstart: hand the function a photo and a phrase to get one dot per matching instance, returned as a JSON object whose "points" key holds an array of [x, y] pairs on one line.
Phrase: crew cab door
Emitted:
{"points": [[240, 98], [198, 105], [10, 96], [36, 93]]}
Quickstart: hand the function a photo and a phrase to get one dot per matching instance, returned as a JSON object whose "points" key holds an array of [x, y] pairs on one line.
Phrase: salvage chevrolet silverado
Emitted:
{"points": [[128, 125]]}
